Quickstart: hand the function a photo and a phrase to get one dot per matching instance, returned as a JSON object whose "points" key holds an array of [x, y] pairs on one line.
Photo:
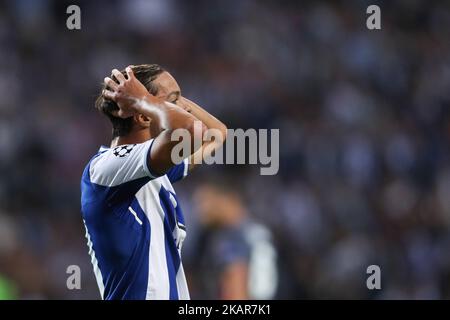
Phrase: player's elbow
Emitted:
{"points": [[223, 131], [220, 133]]}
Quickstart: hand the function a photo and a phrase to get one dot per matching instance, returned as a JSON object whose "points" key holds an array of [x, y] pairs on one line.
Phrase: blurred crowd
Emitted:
{"points": [[364, 123]]}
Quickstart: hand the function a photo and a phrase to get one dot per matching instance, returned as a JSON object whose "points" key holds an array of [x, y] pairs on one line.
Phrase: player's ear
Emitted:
{"points": [[142, 120]]}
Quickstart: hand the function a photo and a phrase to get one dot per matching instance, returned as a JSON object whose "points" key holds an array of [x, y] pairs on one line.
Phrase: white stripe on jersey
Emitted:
{"points": [[183, 291], [158, 287], [135, 215], [97, 273], [186, 167]]}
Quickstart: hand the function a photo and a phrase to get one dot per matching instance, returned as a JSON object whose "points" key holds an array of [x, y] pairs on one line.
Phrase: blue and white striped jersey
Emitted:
{"points": [[134, 225]]}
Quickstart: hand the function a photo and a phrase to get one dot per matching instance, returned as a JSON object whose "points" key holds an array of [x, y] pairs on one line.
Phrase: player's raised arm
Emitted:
{"points": [[212, 123], [133, 98]]}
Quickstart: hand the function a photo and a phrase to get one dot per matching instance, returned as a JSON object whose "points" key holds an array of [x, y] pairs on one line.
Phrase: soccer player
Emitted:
{"points": [[134, 223]]}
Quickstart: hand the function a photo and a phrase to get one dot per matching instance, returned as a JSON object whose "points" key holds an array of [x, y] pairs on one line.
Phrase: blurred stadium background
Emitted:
{"points": [[364, 134]]}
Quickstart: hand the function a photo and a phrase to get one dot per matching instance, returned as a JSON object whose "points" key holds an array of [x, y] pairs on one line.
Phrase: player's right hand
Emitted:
{"points": [[127, 93]]}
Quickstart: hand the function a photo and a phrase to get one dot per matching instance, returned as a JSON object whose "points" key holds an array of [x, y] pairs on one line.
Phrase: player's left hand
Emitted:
{"points": [[126, 92]]}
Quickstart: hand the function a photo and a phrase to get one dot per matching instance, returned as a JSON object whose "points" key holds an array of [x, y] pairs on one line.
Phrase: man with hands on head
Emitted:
{"points": [[134, 222]]}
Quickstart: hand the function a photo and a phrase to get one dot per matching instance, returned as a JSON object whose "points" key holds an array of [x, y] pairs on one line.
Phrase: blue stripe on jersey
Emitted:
{"points": [[176, 173], [120, 193], [172, 254], [179, 215], [121, 246]]}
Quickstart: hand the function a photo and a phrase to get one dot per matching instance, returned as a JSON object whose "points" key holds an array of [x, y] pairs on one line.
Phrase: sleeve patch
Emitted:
{"points": [[123, 151]]}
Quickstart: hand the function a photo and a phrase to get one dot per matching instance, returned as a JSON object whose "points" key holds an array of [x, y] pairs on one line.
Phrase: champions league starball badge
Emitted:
{"points": [[123, 151]]}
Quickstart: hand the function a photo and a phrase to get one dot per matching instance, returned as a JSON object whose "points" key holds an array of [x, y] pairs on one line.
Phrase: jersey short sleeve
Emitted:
{"points": [[121, 164], [178, 171]]}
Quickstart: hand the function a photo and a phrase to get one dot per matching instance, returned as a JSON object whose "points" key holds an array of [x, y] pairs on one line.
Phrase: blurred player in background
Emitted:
{"points": [[134, 222], [234, 250]]}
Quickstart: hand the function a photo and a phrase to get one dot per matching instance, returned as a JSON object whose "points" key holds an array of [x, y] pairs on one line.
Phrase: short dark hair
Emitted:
{"points": [[145, 73]]}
